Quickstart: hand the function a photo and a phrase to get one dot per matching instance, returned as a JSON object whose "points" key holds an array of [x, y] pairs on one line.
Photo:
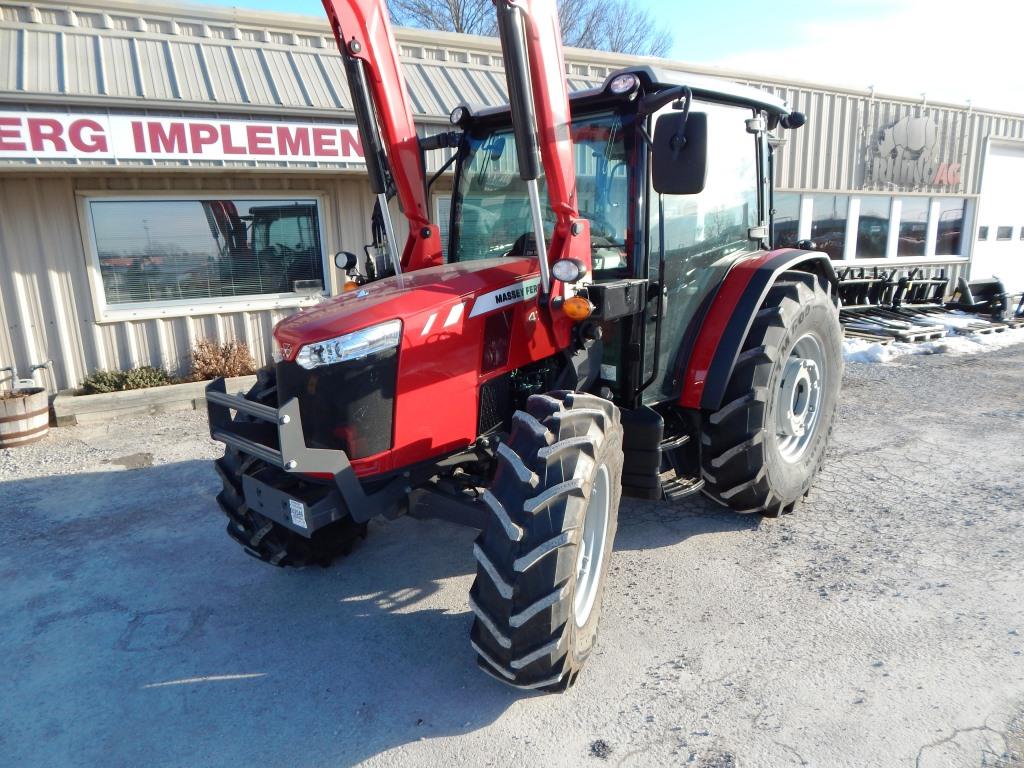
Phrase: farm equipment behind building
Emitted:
{"points": [[609, 318]]}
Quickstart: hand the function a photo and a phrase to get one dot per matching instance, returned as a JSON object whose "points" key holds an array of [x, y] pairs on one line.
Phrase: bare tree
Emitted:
{"points": [[606, 25], [624, 28], [470, 17]]}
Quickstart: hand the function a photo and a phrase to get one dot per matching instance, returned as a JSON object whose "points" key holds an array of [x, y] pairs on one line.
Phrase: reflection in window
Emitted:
{"points": [[951, 224], [828, 224], [913, 226], [493, 207], [702, 228], [983, 233], [1004, 233], [174, 250], [873, 227], [786, 222]]}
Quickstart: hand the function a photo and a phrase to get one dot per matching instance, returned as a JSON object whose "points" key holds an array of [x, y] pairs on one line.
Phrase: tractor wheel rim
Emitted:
{"points": [[798, 398], [590, 557]]}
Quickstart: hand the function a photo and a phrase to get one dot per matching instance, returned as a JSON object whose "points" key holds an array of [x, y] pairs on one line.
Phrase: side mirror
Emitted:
{"points": [[345, 260], [680, 162]]}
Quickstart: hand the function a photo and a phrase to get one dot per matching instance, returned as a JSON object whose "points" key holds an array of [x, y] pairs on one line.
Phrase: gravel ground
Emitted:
{"points": [[881, 625]]}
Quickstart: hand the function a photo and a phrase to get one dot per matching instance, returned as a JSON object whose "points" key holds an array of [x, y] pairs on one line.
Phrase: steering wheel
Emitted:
{"points": [[599, 225]]}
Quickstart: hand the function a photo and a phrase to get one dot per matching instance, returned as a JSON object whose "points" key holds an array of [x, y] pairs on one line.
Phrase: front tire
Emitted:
{"points": [[544, 553], [763, 447]]}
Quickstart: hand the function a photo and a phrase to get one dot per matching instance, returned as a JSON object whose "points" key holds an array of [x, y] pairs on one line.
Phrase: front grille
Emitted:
{"points": [[495, 404], [346, 406]]}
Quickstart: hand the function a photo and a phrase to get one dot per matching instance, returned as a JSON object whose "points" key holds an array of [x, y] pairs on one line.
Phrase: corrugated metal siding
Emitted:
{"points": [[833, 150], [45, 298], [161, 60]]}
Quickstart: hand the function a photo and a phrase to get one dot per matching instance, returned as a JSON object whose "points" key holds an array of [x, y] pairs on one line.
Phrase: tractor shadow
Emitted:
{"points": [[645, 525], [137, 632]]}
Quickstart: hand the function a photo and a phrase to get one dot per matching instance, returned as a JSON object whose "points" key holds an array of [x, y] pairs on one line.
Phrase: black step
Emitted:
{"points": [[677, 487], [675, 442]]}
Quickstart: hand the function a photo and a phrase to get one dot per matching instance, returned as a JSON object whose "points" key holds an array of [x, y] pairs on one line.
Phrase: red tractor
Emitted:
{"points": [[637, 335]]}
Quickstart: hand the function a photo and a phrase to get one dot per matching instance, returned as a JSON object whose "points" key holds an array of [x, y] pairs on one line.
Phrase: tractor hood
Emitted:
{"points": [[456, 291], [463, 326]]}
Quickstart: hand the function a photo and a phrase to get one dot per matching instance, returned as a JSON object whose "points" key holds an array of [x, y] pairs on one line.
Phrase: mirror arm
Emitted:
{"points": [[442, 169], [679, 140], [655, 101]]}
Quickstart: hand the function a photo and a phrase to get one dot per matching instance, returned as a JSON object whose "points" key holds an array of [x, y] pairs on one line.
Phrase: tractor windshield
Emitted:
{"points": [[492, 207]]}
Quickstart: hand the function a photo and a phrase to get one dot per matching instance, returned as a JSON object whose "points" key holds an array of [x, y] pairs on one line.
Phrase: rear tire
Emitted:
{"points": [[261, 537], [544, 553], [763, 447]]}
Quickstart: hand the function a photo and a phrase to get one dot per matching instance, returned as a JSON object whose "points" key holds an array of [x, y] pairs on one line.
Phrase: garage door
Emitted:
{"points": [[999, 248]]}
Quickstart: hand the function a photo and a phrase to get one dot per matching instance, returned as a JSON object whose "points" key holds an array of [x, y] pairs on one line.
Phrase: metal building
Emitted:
{"points": [[134, 137]]}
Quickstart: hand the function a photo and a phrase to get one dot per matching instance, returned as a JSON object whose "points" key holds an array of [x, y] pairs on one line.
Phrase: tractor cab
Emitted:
{"points": [[670, 247]]}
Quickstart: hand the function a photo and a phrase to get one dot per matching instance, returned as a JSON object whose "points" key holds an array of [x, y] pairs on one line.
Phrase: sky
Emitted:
{"points": [[948, 50]]}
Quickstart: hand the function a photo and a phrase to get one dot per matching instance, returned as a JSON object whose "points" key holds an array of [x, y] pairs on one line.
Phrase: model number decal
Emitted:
{"points": [[503, 297]]}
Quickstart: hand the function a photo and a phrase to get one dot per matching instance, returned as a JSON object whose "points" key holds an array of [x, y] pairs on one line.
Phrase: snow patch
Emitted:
{"points": [[864, 351]]}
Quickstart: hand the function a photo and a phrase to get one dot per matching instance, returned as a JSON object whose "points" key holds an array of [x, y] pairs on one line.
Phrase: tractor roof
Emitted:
{"points": [[702, 86], [654, 78]]}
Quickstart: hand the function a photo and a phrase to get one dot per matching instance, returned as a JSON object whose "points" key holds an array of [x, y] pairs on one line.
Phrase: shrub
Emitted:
{"points": [[103, 381], [143, 377], [211, 360], [147, 376]]}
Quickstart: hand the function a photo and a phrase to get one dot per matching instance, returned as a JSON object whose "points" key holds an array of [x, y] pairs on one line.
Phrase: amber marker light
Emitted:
{"points": [[577, 308], [350, 285]]}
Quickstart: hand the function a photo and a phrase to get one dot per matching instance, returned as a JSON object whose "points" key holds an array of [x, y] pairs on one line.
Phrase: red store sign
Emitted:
{"points": [[132, 137]]}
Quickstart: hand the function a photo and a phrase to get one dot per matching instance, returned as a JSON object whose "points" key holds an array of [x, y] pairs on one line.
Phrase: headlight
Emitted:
{"points": [[351, 346]]}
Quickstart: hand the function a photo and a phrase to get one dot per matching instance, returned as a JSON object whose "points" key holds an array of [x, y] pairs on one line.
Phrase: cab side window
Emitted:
{"points": [[700, 229]]}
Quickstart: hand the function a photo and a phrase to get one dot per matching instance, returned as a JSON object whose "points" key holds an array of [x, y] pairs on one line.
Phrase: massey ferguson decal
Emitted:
{"points": [[907, 154], [137, 137], [503, 297]]}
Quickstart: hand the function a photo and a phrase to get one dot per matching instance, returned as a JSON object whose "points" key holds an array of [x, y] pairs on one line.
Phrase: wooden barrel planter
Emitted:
{"points": [[24, 419]]}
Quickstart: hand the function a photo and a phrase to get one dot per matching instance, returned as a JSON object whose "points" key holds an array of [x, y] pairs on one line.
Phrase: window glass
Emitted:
{"points": [[786, 223], [951, 223], [703, 228], [873, 227], [442, 215], [493, 205], [174, 250], [703, 231], [983, 233], [828, 224], [913, 226], [1004, 233]]}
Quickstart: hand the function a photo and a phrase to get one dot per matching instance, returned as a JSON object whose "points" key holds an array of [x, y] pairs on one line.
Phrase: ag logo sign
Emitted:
{"points": [[907, 154]]}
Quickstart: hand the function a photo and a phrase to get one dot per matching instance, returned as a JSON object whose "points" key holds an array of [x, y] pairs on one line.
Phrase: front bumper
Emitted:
{"points": [[275, 436]]}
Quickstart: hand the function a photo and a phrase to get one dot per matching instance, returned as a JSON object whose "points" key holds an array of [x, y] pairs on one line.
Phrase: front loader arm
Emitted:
{"points": [[531, 40], [381, 102]]}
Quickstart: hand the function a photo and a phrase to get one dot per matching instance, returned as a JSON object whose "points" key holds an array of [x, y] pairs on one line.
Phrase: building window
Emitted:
{"points": [[873, 227], [1004, 233], [442, 215], [828, 224], [948, 240], [983, 233], [166, 251], [913, 226], [786, 221]]}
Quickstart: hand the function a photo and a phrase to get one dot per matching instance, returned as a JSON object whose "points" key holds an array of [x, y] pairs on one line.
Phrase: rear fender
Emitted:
{"points": [[730, 314]]}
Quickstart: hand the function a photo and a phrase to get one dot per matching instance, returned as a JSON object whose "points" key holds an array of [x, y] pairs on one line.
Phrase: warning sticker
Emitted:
{"points": [[298, 513]]}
